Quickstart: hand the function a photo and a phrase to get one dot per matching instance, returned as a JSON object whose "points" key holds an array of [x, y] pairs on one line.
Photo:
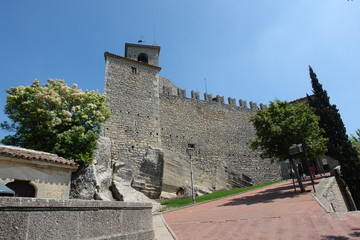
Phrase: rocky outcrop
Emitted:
{"points": [[126, 193], [99, 180], [104, 170], [149, 179], [83, 183]]}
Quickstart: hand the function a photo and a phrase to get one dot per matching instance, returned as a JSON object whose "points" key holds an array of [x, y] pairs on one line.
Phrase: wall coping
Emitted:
{"points": [[59, 219], [6, 203]]}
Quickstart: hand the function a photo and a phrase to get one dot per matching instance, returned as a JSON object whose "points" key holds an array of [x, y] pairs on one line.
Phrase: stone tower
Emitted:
{"points": [[132, 89]]}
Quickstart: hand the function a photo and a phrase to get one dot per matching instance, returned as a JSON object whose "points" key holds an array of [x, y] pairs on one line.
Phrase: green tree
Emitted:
{"points": [[339, 146], [55, 118], [355, 140], [284, 124]]}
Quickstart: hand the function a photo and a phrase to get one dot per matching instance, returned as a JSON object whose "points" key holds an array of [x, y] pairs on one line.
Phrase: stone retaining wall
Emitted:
{"points": [[329, 196], [30, 218]]}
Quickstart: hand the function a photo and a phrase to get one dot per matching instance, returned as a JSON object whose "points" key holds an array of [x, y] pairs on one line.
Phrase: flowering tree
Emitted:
{"points": [[55, 118]]}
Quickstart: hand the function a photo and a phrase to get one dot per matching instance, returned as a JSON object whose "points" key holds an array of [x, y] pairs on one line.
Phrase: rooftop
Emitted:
{"points": [[28, 154], [107, 54]]}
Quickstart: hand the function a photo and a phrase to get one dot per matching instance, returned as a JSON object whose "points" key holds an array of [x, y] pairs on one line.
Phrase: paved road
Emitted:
{"points": [[273, 212]]}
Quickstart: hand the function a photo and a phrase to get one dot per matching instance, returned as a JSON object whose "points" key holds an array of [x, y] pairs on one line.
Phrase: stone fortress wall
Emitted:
{"points": [[220, 133], [153, 122]]}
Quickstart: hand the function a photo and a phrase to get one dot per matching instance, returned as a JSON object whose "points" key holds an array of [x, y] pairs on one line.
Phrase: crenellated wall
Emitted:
{"points": [[173, 91], [220, 132]]}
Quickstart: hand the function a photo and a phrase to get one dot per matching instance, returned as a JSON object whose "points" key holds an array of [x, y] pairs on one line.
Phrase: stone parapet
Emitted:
{"points": [[329, 196], [30, 218], [178, 92]]}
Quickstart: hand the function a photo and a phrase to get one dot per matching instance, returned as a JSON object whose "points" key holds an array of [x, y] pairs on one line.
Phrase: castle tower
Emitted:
{"points": [[132, 89]]}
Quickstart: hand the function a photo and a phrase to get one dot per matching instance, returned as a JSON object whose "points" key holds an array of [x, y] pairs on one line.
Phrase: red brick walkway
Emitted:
{"points": [[273, 212]]}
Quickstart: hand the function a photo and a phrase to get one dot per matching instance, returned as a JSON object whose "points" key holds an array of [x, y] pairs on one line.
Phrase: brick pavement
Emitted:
{"points": [[272, 212]]}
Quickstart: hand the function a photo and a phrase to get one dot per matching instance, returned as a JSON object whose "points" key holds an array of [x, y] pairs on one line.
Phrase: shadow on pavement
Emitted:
{"points": [[334, 238], [265, 196], [356, 234], [269, 195]]}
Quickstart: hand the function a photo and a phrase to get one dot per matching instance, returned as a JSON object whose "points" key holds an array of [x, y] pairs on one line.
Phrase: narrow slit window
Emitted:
{"points": [[133, 70]]}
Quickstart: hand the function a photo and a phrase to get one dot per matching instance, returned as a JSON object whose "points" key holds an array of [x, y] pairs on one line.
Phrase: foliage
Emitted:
{"points": [[55, 118], [339, 145], [176, 203], [284, 124], [355, 141], [330, 119]]}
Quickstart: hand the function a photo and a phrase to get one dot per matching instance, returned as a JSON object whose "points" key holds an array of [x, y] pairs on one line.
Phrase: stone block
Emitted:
{"points": [[253, 106], [219, 99], [13, 225], [195, 95], [232, 101], [243, 103], [74, 219], [263, 106], [208, 97], [59, 225], [182, 93]]}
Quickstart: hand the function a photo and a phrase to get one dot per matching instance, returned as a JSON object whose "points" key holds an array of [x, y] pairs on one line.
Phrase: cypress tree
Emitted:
{"points": [[339, 145]]}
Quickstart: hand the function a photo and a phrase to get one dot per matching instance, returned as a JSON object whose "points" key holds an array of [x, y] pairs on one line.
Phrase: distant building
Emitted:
{"points": [[33, 173]]}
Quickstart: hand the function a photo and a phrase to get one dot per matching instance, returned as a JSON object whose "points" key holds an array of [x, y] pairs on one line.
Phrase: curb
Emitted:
{"points": [[168, 228]]}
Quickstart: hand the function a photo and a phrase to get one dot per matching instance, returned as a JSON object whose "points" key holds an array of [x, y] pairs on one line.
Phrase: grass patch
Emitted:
{"points": [[176, 203]]}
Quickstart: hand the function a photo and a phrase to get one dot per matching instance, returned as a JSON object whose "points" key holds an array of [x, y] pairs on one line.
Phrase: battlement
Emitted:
{"points": [[217, 99]]}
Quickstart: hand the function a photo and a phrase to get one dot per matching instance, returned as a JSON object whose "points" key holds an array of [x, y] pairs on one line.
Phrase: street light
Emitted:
{"points": [[295, 149], [190, 151], [300, 148]]}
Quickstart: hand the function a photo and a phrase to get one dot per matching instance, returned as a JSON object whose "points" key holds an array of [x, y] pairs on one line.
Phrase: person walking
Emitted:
{"points": [[301, 171], [312, 171]]}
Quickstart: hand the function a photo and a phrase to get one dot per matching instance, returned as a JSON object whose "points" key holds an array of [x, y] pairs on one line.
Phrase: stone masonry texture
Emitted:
{"points": [[31, 218], [153, 122]]}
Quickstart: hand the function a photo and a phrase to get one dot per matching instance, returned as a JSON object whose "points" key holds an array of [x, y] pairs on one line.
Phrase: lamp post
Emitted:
{"points": [[307, 167], [190, 151], [300, 148], [294, 149]]}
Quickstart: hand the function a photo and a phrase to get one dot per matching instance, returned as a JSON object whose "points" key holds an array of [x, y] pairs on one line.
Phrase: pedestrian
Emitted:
{"points": [[291, 172], [312, 171], [301, 171]]}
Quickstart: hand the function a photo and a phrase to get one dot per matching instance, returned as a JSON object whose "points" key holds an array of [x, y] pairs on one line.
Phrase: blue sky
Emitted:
{"points": [[251, 50]]}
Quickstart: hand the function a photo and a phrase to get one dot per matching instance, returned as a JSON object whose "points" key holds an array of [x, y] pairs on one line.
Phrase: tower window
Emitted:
{"points": [[133, 70], [142, 57]]}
